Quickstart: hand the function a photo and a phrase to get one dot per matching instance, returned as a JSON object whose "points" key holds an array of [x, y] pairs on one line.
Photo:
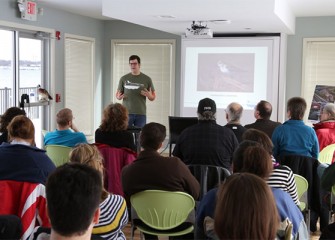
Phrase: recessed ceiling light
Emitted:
{"points": [[220, 21], [166, 16], [247, 28]]}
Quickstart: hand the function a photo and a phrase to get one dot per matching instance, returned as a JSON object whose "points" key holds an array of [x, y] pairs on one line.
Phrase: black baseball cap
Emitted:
{"points": [[205, 105]]}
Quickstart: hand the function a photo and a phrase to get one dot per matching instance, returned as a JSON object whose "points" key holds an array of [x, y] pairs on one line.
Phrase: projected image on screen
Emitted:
{"points": [[226, 72]]}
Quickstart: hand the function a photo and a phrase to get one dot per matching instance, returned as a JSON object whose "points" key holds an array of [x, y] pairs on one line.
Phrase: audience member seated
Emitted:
{"points": [[262, 113], [294, 137], [151, 171], [66, 133], [325, 129], [246, 214], [256, 160], [233, 116], [282, 176], [207, 142], [20, 159], [113, 128], [113, 208], [5, 120], [73, 195], [328, 178]]}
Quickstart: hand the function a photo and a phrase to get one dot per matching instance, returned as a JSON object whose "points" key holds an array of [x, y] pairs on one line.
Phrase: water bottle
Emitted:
{"points": [[32, 97]]}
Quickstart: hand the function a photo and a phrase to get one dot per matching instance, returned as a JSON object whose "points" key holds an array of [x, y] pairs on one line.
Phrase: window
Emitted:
{"points": [[24, 64], [318, 66], [79, 81], [157, 61]]}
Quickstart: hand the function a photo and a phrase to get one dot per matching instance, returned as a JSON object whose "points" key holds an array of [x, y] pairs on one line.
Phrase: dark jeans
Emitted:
{"points": [[137, 120]]}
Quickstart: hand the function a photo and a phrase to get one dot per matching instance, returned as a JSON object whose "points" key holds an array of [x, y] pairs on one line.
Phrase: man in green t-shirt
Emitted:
{"points": [[134, 88]]}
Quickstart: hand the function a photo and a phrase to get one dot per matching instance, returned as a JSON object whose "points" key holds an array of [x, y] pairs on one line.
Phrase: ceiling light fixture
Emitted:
{"points": [[220, 21], [166, 16]]}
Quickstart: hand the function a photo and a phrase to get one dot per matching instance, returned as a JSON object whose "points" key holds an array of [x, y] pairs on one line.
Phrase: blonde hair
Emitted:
{"points": [[89, 155]]}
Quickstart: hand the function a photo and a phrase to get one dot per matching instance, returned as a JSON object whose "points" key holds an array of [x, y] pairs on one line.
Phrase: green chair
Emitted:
{"points": [[162, 213], [326, 154], [302, 187], [58, 154]]}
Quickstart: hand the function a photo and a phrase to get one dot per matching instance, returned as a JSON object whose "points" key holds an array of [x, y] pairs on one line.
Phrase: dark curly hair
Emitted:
{"points": [[8, 116], [115, 118]]}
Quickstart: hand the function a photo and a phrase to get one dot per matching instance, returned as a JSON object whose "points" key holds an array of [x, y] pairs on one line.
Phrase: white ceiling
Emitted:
{"points": [[174, 16]]}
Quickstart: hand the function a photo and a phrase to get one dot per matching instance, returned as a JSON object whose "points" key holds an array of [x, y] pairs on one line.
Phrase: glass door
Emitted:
{"points": [[23, 66]]}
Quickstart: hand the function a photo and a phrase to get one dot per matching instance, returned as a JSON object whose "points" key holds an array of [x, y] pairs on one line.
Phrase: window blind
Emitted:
{"points": [[79, 79], [318, 67]]}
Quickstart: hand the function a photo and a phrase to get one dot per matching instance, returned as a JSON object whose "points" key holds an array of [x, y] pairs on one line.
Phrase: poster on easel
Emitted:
{"points": [[322, 95]]}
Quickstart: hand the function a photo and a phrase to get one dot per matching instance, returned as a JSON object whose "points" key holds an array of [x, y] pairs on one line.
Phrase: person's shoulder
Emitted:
{"points": [[274, 123], [125, 76], [144, 75], [225, 129], [48, 134], [280, 194], [282, 168], [250, 125], [79, 134], [40, 233], [113, 199]]}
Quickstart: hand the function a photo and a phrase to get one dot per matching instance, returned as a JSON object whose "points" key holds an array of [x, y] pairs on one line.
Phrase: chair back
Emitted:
{"points": [[25, 200], [114, 160], [10, 227], [176, 126], [162, 210], [302, 187], [58, 154], [326, 154], [208, 176], [308, 168]]}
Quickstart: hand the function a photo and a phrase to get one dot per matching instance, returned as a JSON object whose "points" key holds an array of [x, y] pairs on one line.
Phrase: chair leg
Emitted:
{"points": [[132, 230], [308, 219]]}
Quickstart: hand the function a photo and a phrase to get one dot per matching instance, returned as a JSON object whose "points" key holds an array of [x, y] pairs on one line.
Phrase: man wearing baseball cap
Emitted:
{"points": [[206, 143]]}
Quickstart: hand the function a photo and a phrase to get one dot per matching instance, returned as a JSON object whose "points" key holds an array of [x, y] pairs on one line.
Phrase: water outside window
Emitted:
{"points": [[15, 81]]}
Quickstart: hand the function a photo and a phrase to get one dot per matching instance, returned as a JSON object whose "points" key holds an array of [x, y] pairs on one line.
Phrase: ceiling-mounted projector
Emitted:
{"points": [[198, 30]]}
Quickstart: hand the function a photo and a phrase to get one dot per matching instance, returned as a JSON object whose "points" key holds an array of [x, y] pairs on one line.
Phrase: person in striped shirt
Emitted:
{"points": [[113, 208], [282, 176]]}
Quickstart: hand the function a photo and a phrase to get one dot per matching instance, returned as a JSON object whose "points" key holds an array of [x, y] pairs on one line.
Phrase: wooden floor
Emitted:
{"points": [[127, 232]]}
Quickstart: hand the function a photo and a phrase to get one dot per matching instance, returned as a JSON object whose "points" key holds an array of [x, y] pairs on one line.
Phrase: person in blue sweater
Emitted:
{"points": [[293, 137], [66, 133], [252, 158]]}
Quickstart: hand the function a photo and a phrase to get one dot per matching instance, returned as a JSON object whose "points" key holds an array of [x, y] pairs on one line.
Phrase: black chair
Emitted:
{"points": [[136, 133], [176, 126], [208, 176], [307, 167], [10, 227]]}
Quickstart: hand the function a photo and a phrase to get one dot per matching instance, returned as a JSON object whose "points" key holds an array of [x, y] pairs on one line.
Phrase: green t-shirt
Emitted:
{"points": [[131, 85]]}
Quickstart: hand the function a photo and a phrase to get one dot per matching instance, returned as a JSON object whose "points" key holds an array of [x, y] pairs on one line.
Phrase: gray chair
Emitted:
{"points": [[208, 176]]}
